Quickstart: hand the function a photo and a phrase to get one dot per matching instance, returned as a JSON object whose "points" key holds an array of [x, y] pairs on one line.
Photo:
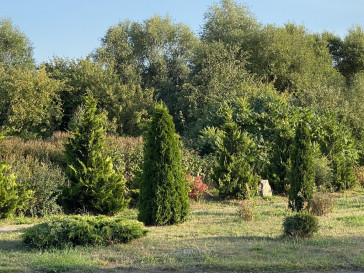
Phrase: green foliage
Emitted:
{"points": [[94, 186], [302, 173], [127, 106], [233, 174], [44, 179], [30, 105], [350, 54], [9, 197], [324, 176], [64, 231], [12, 195], [163, 188], [302, 225], [15, 47]]}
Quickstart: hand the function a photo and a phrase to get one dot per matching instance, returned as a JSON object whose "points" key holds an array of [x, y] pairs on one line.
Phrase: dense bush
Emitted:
{"points": [[63, 231], [321, 203], [163, 188], [94, 186], [44, 179], [303, 225], [12, 195], [233, 174]]}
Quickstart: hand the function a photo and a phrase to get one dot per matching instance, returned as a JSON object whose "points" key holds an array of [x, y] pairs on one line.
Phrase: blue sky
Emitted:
{"points": [[73, 28]]}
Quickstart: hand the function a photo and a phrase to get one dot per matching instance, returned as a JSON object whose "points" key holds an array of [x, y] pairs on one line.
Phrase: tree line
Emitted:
{"points": [[237, 83]]}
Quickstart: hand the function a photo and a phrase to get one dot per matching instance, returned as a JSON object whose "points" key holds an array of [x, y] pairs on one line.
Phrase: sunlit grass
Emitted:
{"points": [[213, 239]]}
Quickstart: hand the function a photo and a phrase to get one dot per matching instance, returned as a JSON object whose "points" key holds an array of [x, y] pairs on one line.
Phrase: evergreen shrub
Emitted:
{"points": [[302, 173], [69, 231], [163, 187], [94, 186], [233, 175], [302, 225]]}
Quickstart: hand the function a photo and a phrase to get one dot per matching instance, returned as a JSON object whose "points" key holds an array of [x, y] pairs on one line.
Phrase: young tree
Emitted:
{"points": [[233, 174], [302, 174], [94, 186], [163, 190]]}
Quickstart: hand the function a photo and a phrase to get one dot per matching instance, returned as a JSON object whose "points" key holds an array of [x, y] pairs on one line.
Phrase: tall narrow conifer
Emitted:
{"points": [[302, 173], [163, 190]]}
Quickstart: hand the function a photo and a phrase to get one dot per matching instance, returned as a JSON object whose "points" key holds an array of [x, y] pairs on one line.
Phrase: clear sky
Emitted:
{"points": [[73, 28]]}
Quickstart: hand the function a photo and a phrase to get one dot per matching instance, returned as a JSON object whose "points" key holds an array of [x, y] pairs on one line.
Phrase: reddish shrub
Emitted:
{"points": [[198, 188]]}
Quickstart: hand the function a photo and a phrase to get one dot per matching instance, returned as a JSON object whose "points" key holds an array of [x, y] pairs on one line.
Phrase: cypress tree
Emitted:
{"points": [[233, 174], [302, 173], [163, 190], [94, 186]]}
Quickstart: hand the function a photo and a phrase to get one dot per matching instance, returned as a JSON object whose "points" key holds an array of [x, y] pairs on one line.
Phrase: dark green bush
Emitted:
{"points": [[302, 172], [233, 174], [66, 231], [302, 225], [163, 187]]}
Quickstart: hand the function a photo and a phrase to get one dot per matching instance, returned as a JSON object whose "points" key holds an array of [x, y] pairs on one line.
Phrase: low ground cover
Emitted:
{"points": [[213, 239]]}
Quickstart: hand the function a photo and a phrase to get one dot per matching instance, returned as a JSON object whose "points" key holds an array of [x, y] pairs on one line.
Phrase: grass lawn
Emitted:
{"points": [[214, 239]]}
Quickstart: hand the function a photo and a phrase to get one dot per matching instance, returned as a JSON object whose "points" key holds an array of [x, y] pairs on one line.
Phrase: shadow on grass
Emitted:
{"points": [[13, 245]]}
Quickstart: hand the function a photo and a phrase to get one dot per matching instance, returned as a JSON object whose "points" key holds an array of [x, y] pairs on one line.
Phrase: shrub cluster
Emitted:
{"points": [[302, 225], [66, 231]]}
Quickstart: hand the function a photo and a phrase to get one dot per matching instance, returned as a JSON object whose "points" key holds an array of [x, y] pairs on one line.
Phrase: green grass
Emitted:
{"points": [[214, 239]]}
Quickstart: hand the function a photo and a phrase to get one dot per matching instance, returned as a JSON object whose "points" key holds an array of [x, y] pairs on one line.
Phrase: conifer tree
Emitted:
{"points": [[302, 173], [233, 174], [94, 186], [163, 190]]}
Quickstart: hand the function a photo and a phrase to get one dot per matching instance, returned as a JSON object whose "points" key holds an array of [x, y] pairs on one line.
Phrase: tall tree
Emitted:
{"points": [[15, 47], [30, 105], [163, 190], [302, 174], [94, 186]]}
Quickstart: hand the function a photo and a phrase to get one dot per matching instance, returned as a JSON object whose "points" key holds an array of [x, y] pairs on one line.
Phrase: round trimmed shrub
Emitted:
{"points": [[64, 231], [302, 225]]}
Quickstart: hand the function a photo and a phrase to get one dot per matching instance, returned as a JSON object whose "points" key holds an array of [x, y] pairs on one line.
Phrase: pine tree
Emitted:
{"points": [[233, 174], [163, 189], [302, 173], [94, 186]]}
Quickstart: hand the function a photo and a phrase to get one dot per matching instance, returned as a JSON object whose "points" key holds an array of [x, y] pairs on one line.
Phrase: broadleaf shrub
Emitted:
{"points": [[44, 179], [68, 231], [302, 225]]}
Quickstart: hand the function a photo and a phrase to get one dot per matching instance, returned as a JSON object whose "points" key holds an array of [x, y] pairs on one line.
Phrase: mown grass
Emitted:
{"points": [[213, 239]]}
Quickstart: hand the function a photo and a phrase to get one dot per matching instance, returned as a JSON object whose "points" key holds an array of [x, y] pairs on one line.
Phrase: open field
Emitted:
{"points": [[214, 239]]}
